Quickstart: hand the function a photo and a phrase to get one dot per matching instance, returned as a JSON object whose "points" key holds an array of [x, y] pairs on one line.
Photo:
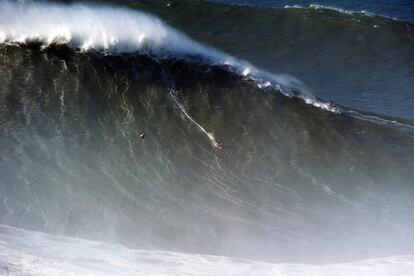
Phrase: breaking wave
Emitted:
{"points": [[69, 256], [117, 30], [235, 161]]}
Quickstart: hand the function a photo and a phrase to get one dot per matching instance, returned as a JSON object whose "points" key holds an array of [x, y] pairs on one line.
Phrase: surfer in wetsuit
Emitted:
{"points": [[219, 145], [141, 135]]}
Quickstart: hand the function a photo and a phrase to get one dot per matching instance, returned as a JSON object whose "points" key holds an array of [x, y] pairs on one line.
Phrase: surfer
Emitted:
{"points": [[141, 135], [219, 145], [332, 104]]}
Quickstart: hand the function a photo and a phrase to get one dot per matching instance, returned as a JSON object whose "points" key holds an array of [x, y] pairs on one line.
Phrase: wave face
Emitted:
{"points": [[69, 256], [290, 180]]}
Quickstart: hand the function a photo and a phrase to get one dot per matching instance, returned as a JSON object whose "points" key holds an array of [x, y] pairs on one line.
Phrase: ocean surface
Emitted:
{"points": [[402, 10], [278, 138]]}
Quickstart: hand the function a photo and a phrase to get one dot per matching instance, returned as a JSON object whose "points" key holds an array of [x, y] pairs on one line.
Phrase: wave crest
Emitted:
{"points": [[86, 27], [119, 30]]}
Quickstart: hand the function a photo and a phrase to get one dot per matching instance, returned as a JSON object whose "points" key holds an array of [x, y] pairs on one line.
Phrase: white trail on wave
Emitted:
{"points": [[210, 135]]}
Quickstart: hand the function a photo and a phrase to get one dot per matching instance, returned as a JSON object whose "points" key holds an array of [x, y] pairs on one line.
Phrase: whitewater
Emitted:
{"points": [[33, 253]]}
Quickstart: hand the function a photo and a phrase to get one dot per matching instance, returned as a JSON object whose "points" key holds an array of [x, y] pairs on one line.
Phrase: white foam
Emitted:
{"points": [[246, 72], [293, 7], [25, 252], [93, 27], [2, 37], [339, 10], [321, 7]]}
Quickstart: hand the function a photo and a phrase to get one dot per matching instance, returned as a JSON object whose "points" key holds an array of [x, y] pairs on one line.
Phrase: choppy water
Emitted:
{"points": [[296, 175]]}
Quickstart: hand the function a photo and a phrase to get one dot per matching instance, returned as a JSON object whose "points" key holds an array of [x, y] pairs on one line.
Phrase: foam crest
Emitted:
{"points": [[92, 27]]}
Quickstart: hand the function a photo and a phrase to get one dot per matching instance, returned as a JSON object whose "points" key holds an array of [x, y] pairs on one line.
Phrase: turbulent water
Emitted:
{"points": [[32, 253], [236, 161]]}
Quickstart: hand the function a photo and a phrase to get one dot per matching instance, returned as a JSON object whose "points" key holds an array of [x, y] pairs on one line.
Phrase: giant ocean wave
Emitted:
{"points": [[110, 31], [225, 168]]}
